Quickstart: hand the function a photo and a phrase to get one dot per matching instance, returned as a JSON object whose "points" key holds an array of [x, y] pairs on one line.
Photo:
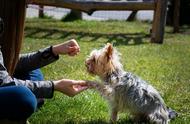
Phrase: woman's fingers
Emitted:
{"points": [[73, 51], [79, 88]]}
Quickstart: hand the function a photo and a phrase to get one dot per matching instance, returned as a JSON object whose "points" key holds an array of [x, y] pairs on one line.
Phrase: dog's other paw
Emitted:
{"points": [[92, 84]]}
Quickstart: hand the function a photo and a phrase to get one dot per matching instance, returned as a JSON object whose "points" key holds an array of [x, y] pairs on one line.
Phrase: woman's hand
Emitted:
{"points": [[70, 48], [70, 87]]}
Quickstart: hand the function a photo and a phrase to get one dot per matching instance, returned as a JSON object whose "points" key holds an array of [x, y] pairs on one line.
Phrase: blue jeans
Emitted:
{"points": [[35, 75], [18, 102]]}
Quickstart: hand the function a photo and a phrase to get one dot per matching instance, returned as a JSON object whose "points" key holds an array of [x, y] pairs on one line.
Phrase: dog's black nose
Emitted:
{"points": [[87, 63]]}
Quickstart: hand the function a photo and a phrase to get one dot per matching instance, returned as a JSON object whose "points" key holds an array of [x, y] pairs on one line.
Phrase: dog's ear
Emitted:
{"points": [[109, 50]]}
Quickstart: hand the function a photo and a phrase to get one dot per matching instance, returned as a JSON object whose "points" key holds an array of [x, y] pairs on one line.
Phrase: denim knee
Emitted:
{"points": [[27, 101], [19, 103]]}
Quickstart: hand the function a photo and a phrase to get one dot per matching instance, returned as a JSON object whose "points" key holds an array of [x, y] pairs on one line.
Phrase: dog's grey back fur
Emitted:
{"points": [[138, 97], [125, 91]]}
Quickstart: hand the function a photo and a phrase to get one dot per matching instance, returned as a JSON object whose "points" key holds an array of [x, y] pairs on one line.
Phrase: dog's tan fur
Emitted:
{"points": [[125, 91]]}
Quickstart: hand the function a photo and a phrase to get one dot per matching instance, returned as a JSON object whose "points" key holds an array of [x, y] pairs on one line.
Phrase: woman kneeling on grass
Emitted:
{"points": [[18, 98]]}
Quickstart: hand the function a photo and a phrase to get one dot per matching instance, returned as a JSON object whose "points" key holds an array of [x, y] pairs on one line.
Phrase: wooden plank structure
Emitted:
{"points": [[91, 6], [159, 7], [13, 14]]}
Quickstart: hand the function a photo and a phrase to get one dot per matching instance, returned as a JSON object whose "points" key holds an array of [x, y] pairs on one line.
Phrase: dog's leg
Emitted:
{"points": [[157, 118], [105, 90], [113, 117]]}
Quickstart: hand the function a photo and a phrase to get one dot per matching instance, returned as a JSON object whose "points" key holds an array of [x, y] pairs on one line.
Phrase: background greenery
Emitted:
{"points": [[166, 66]]}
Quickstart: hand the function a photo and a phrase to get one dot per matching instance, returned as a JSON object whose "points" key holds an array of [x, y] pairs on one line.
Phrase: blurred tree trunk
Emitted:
{"points": [[41, 11], [73, 15], [77, 14]]}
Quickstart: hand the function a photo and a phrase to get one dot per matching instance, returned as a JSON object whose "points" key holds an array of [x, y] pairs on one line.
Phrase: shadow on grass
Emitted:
{"points": [[124, 121], [36, 20], [116, 38], [184, 29]]}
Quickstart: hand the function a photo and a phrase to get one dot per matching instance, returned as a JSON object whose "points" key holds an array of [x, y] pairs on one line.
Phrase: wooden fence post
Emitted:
{"points": [[41, 11], [13, 14], [176, 14], [132, 16], [159, 21]]}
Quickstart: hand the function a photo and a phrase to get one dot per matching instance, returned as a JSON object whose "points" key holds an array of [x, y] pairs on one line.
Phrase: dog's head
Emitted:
{"points": [[104, 61]]}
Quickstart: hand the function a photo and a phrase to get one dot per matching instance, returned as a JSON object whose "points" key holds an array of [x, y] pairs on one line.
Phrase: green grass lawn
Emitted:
{"points": [[166, 66]]}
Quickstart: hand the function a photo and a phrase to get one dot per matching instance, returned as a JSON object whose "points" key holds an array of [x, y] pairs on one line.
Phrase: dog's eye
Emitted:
{"points": [[94, 60]]}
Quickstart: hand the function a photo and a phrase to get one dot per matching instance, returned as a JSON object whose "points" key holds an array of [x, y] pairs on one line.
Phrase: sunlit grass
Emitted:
{"points": [[166, 66]]}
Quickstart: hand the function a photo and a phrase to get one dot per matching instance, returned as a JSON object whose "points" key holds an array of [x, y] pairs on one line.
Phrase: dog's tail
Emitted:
{"points": [[171, 113]]}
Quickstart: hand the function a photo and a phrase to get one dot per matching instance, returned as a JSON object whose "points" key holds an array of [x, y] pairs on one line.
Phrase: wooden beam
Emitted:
{"points": [[159, 21], [91, 6]]}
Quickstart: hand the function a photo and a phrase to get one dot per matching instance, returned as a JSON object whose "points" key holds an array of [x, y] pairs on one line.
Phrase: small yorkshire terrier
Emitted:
{"points": [[125, 91]]}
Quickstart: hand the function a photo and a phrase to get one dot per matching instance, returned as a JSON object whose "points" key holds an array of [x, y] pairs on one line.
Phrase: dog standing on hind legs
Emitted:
{"points": [[125, 91]]}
